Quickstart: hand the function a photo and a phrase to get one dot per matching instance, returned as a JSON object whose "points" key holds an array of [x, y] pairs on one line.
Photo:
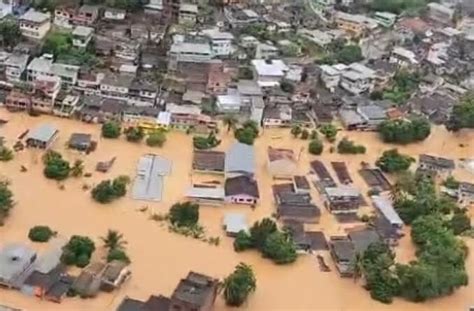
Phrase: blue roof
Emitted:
{"points": [[240, 158]]}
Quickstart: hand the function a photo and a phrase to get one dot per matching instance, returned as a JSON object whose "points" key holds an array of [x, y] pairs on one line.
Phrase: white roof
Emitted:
{"points": [[229, 100], [250, 13], [385, 206], [183, 109], [329, 70], [191, 48], [405, 53], [209, 193], [342, 191], [276, 68], [65, 70], [34, 16], [235, 222], [386, 15], [164, 118], [215, 34], [82, 31], [44, 133], [40, 64], [188, 7]]}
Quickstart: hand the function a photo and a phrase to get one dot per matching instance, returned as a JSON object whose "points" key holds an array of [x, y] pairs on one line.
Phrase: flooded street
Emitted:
{"points": [[160, 258]]}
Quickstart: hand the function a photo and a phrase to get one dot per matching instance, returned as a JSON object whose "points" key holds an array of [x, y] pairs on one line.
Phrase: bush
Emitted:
{"points": [[108, 191], [304, 134], [6, 154], [78, 251], [392, 161], [55, 166], [238, 285], [329, 131], [287, 86], [40, 234], [404, 131], [243, 241], [156, 139], [184, 214], [247, 133], [346, 146], [315, 147], [202, 143], [111, 129], [118, 254], [280, 248], [6, 201], [134, 134], [296, 130]]}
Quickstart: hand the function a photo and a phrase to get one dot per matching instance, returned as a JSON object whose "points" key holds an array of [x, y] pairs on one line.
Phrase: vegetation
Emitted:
{"points": [[60, 45], [77, 168], [265, 236], [463, 114], [339, 52], [230, 121], [245, 73], [202, 143], [347, 146], [134, 134], [439, 268], [111, 129], [6, 200], [451, 183], [107, 191], [156, 138], [397, 6], [315, 147], [184, 214], [55, 166], [392, 161], [287, 86], [296, 131], [304, 134], [78, 251], [247, 133], [405, 83], [115, 244], [40, 234], [329, 131], [239, 285], [404, 131], [10, 33], [6, 154]]}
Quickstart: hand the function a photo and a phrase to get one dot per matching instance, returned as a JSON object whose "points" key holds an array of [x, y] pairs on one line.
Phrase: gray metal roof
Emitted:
{"points": [[240, 158], [363, 238], [43, 133], [350, 117], [14, 259], [235, 222], [148, 184], [342, 191], [206, 193], [384, 205], [373, 112], [51, 258]]}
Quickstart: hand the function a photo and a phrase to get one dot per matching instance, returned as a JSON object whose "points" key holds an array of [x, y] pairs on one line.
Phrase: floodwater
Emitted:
{"points": [[159, 258]]}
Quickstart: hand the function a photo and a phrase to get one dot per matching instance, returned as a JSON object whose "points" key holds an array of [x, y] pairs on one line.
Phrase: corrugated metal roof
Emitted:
{"points": [[240, 158], [42, 133], [235, 222], [384, 205], [203, 193], [148, 184]]}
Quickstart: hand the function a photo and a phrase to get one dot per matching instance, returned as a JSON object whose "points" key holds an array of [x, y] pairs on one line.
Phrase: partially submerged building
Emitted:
{"points": [[149, 181], [42, 136], [240, 160], [16, 264], [241, 189]]}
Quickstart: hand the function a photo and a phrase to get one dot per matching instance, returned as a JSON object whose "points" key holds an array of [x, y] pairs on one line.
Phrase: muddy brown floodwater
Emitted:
{"points": [[160, 259]]}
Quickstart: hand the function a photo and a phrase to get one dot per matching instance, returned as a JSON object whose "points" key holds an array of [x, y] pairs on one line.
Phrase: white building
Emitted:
{"points": [[81, 36], [34, 24], [115, 14], [403, 57], [221, 42], [40, 66], [188, 13], [440, 13], [385, 19], [6, 8], [331, 75], [266, 51], [357, 79], [67, 73], [229, 103], [189, 52], [15, 65], [116, 85], [249, 41], [269, 72], [321, 38]]}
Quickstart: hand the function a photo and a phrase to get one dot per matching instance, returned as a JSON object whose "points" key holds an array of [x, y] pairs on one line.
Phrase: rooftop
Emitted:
{"points": [[235, 222], [241, 185], [240, 158], [14, 259], [385, 206], [35, 17], [44, 133], [274, 67], [82, 31], [195, 289]]}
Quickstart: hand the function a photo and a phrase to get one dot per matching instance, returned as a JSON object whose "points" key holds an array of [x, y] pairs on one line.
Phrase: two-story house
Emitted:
{"points": [[34, 24], [81, 36], [116, 85], [357, 79], [221, 42], [15, 66]]}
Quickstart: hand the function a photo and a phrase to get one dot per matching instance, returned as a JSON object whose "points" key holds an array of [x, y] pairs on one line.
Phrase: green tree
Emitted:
{"points": [[184, 214], [459, 222], [329, 131], [113, 240], [451, 183], [295, 131], [55, 166], [287, 86], [156, 138], [245, 73], [77, 169], [202, 143], [78, 251], [280, 248], [10, 33], [117, 254], [346, 146], [247, 133], [462, 115], [349, 54], [6, 154], [40, 234], [315, 147], [134, 134], [111, 129], [239, 285], [243, 241], [107, 191], [6, 200], [304, 134], [261, 230], [392, 161]]}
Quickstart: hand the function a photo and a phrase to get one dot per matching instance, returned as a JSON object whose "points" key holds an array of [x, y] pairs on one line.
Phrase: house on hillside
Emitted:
{"points": [[281, 162]]}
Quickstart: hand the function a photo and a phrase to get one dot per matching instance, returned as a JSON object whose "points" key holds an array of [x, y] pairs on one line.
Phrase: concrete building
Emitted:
{"points": [[34, 24], [331, 75], [221, 42], [81, 36], [385, 19], [115, 14], [357, 79], [230, 103], [188, 13], [15, 66], [354, 24], [403, 57], [16, 263], [189, 52], [266, 51], [440, 13], [269, 72], [42, 136]]}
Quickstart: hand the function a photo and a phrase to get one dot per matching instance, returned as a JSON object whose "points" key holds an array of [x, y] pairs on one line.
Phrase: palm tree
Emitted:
{"points": [[113, 240], [239, 285], [230, 121], [78, 168]]}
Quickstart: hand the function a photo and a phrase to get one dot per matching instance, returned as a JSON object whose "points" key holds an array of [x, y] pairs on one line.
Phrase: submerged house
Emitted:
{"points": [[16, 264], [89, 281], [42, 137], [115, 274], [435, 164], [388, 223], [195, 292], [342, 199], [233, 223], [241, 190], [206, 195], [240, 160], [281, 162], [209, 161]]}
